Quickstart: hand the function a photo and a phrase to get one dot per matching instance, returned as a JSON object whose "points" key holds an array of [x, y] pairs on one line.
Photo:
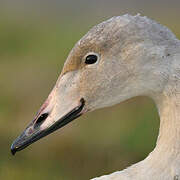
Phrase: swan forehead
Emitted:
{"points": [[99, 39]]}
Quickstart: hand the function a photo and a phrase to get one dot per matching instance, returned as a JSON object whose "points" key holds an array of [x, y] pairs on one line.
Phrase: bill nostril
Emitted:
{"points": [[41, 119]]}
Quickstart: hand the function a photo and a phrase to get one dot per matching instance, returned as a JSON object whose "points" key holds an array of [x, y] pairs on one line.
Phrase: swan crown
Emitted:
{"points": [[117, 34]]}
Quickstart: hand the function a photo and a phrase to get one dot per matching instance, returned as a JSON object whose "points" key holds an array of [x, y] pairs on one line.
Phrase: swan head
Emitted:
{"points": [[118, 59]]}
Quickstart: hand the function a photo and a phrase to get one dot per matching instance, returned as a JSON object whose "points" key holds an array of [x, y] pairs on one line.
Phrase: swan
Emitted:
{"points": [[123, 57]]}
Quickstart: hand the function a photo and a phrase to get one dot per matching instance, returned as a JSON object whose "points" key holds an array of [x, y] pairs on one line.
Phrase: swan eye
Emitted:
{"points": [[91, 59]]}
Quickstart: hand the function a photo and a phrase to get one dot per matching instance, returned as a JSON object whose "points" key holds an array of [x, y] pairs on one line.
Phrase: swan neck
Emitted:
{"points": [[169, 133]]}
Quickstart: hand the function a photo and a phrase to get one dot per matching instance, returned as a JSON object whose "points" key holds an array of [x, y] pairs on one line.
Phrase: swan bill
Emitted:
{"points": [[25, 140]]}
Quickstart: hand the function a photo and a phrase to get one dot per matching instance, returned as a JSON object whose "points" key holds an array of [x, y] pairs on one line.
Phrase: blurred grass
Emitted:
{"points": [[32, 53]]}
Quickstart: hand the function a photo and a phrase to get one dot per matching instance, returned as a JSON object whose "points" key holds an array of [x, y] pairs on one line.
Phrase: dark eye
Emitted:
{"points": [[91, 59]]}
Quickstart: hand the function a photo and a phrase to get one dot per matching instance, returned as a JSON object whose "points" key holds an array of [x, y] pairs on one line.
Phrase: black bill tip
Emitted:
{"points": [[13, 150]]}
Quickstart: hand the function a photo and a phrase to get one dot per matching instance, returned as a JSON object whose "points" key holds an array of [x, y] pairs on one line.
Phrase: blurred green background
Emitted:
{"points": [[35, 39]]}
